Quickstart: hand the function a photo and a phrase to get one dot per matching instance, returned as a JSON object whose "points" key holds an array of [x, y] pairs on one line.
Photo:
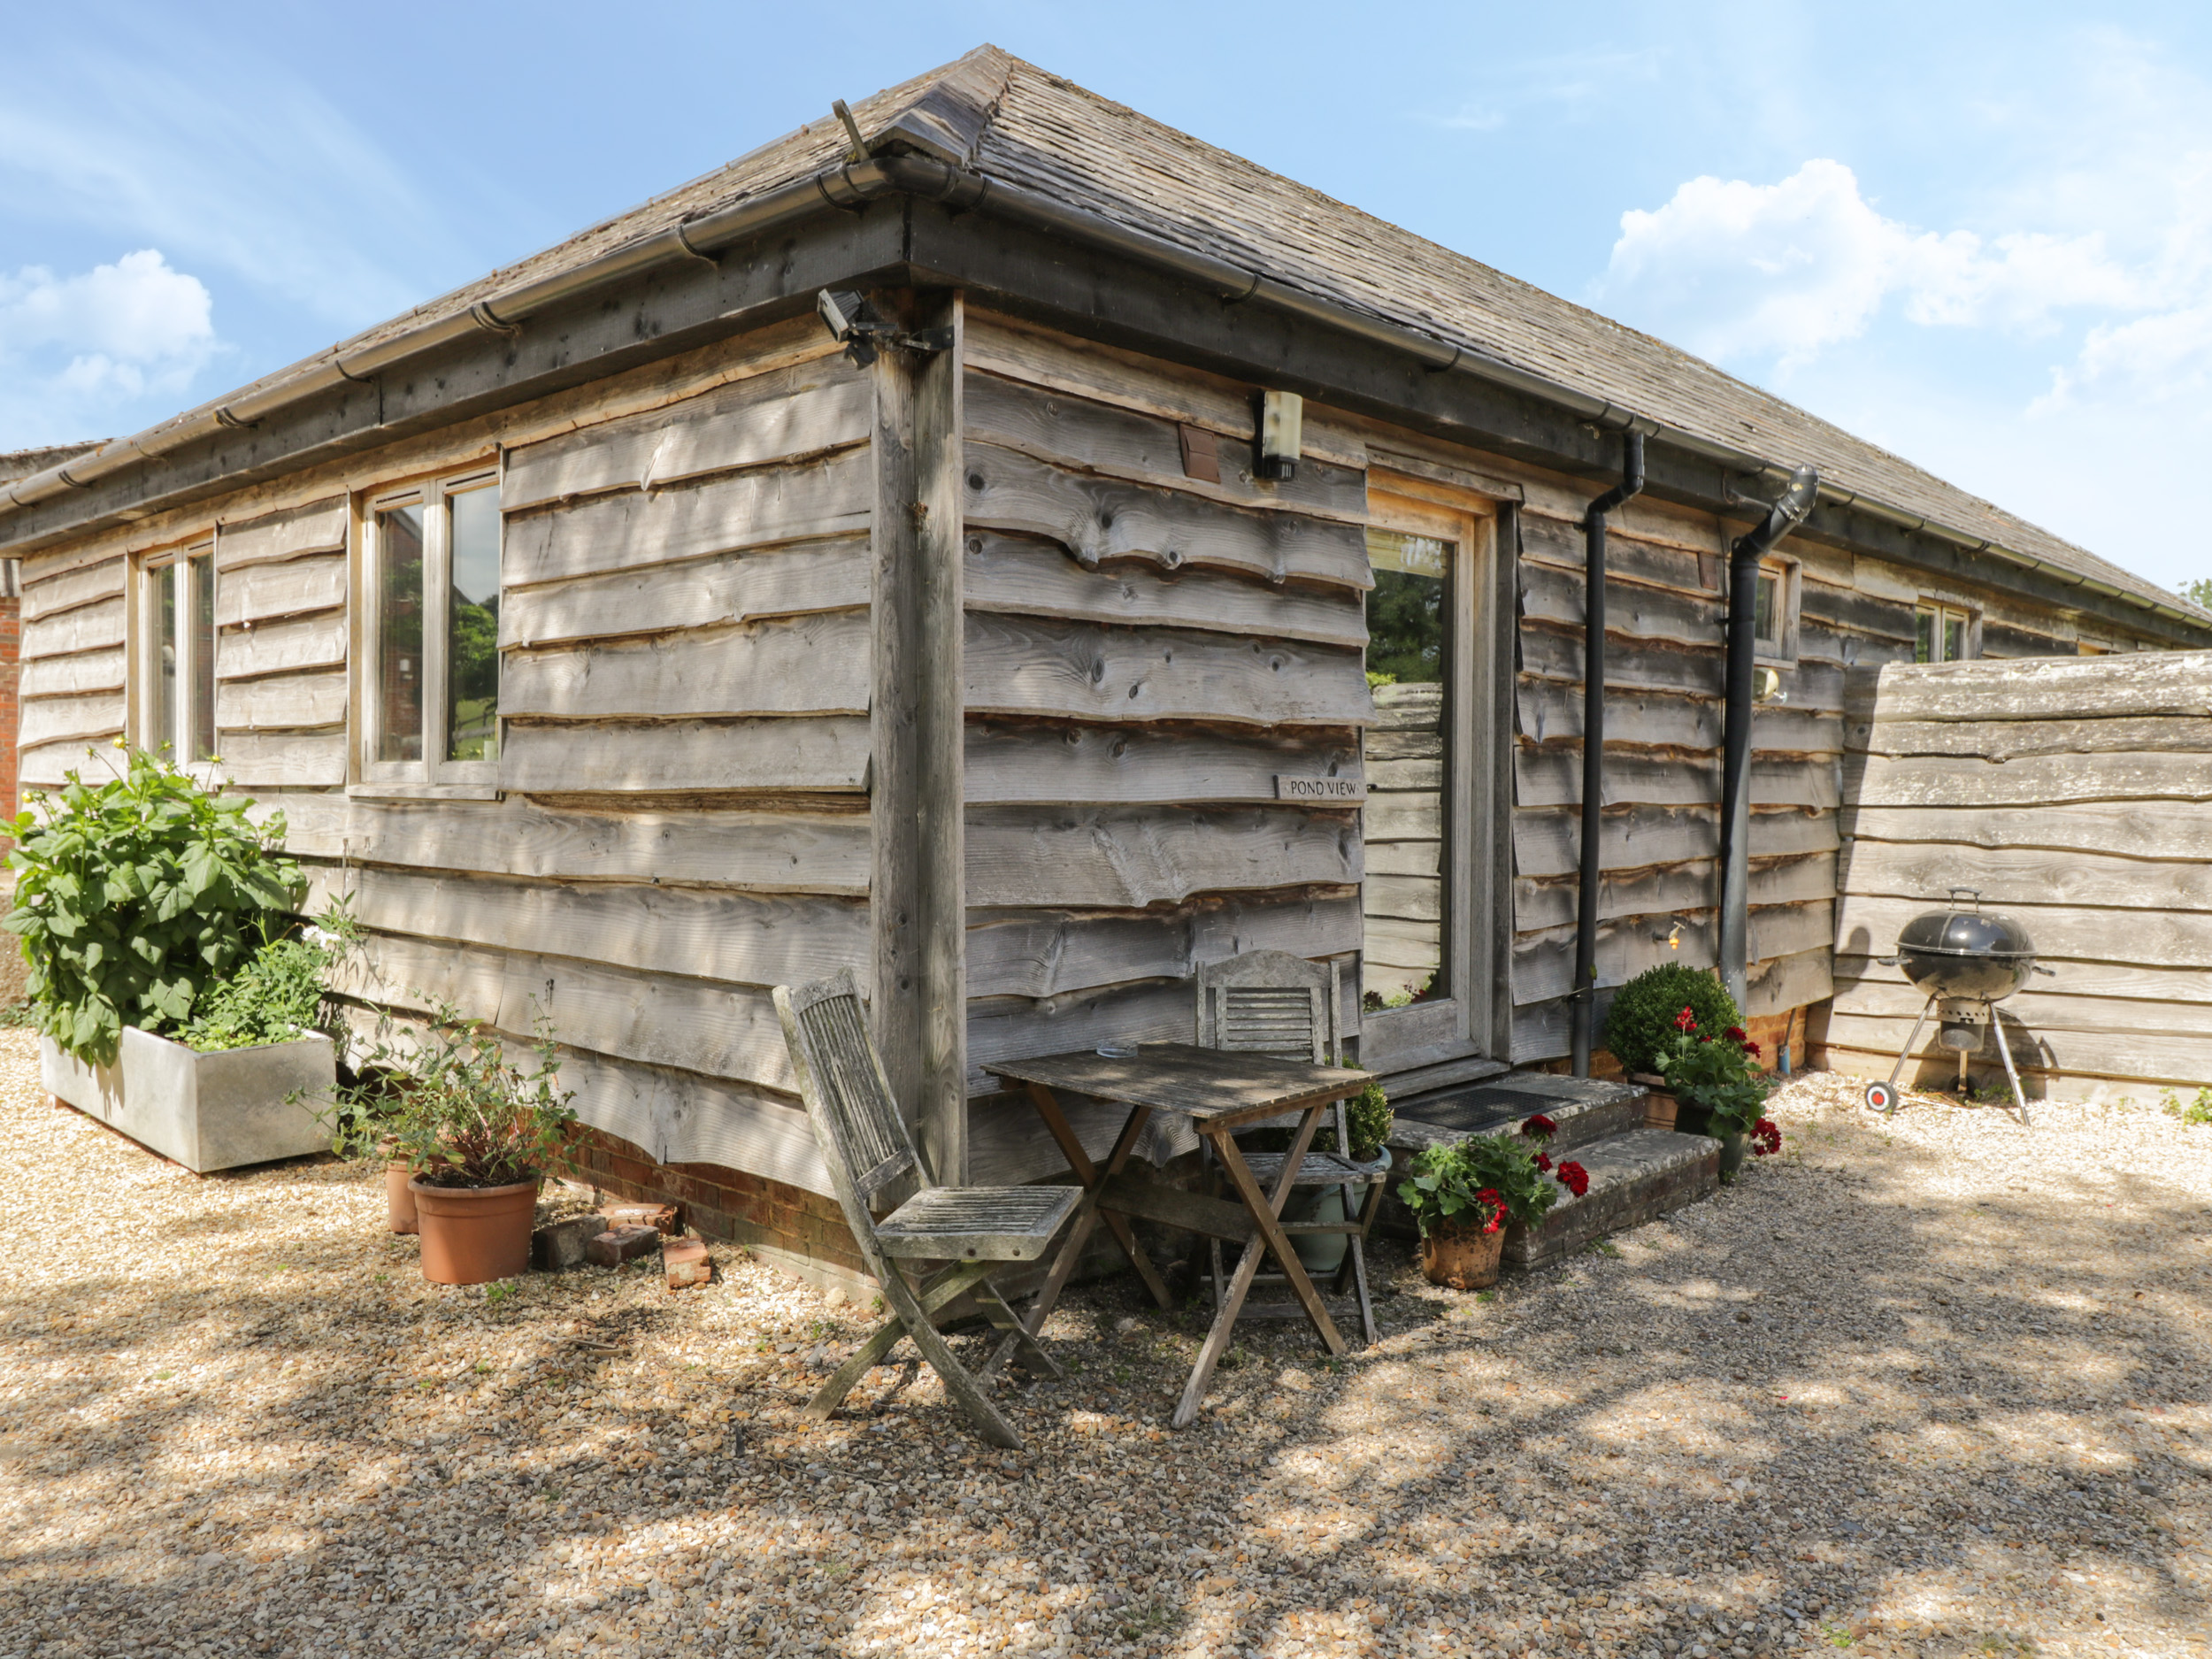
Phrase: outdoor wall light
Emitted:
{"points": [[1281, 429]]}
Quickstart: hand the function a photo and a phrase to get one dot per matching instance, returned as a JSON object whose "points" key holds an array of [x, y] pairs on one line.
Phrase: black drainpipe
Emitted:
{"points": [[1735, 789], [1584, 997]]}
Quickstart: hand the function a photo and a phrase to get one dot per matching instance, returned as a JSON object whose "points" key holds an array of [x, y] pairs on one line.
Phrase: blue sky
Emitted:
{"points": [[1979, 234]]}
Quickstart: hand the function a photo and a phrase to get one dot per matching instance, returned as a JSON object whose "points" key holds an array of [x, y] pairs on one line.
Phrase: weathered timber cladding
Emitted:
{"points": [[1666, 617], [2071, 794], [685, 821], [1146, 653]]}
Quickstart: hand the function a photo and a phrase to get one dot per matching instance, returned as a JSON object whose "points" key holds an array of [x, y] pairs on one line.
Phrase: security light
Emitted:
{"points": [[860, 329], [851, 322]]}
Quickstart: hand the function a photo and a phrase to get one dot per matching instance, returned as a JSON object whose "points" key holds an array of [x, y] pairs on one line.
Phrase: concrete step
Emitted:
{"points": [[1585, 1111], [1635, 1177]]}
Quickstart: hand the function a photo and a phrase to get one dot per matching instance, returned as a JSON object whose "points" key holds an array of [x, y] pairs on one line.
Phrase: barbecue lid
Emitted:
{"points": [[1965, 930]]}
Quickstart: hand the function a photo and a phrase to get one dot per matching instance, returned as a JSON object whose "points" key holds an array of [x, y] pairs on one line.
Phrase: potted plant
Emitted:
{"points": [[1463, 1193], [478, 1131], [1641, 1022], [1716, 1081], [176, 995]]}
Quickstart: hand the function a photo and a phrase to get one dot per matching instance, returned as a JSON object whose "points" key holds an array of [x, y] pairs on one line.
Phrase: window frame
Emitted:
{"points": [[1943, 609], [1781, 649], [432, 774], [149, 572]]}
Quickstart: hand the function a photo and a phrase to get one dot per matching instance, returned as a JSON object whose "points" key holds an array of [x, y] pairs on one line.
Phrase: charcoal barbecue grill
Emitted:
{"points": [[1967, 961]]}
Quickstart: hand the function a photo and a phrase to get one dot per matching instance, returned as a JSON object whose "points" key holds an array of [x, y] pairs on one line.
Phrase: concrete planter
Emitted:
{"points": [[208, 1111]]}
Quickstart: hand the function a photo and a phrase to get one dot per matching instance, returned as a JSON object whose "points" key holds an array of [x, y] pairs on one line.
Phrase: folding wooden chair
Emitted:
{"points": [[975, 1229], [1270, 1002]]}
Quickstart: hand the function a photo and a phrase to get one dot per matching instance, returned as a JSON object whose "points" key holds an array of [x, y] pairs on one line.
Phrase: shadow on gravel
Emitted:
{"points": [[1822, 1384]]}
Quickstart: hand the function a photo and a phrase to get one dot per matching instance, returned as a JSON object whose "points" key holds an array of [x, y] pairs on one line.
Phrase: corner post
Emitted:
{"points": [[916, 714]]}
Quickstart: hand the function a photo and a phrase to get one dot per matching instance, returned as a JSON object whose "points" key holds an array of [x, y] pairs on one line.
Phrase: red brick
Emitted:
{"points": [[660, 1217], [622, 1244], [686, 1263]]}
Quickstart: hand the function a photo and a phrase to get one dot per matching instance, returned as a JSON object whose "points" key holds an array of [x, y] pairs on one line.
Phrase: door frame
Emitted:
{"points": [[1475, 1019]]}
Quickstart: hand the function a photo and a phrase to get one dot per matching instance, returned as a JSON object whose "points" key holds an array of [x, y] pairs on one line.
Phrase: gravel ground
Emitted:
{"points": [[1933, 1388]]}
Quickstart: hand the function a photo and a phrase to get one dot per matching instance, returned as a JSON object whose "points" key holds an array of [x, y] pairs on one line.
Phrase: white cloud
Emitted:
{"points": [[76, 351], [1737, 269]]}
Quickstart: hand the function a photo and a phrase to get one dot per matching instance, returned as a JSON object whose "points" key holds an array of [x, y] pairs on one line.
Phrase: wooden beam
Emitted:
{"points": [[919, 912]]}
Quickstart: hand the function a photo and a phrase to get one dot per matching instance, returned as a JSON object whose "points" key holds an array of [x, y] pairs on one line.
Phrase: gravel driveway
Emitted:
{"points": [[1941, 1389]]}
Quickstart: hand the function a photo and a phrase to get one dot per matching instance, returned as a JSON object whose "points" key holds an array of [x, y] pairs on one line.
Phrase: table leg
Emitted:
{"points": [[1266, 1209], [1087, 1211], [1048, 1106], [1263, 1208]]}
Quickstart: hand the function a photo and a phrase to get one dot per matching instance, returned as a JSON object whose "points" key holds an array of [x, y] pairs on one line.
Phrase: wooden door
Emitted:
{"points": [[1426, 981]]}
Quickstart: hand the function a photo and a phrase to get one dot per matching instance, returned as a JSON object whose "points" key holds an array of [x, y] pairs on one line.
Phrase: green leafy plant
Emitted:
{"points": [[2198, 1110], [1477, 1185], [1715, 1072], [135, 897], [1641, 1021], [459, 1110], [278, 996], [1368, 1120]]}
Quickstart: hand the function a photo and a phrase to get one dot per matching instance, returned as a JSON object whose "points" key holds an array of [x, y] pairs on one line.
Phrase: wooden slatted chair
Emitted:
{"points": [[976, 1230], [1270, 1002]]}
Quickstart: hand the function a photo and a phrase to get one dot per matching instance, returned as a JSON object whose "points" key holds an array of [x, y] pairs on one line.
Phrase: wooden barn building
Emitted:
{"points": [[1168, 561]]}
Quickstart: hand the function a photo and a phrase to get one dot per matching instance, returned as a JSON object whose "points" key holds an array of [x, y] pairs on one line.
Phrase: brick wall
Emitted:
{"points": [[802, 1233]]}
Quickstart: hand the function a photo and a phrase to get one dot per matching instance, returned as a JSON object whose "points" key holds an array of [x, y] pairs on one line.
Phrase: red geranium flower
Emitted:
{"points": [[1539, 1127], [1492, 1209], [1543, 1163], [1766, 1136], [1686, 1020], [1734, 1033], [1574, 1178], [1751, 1047]]}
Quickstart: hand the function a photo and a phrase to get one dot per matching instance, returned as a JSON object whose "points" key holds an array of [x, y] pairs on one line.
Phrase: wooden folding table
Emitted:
{"points": [[1220, 1092]]}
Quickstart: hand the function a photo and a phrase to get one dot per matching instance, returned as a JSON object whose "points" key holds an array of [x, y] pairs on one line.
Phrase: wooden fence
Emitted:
{"points": [[2076, 795]]}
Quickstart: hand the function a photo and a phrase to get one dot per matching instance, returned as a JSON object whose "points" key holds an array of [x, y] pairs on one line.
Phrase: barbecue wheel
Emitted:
{"points": [[1881, 1097]]}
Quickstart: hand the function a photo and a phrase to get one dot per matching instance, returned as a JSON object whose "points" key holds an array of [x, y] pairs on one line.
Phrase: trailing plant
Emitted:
{"points": [[463, 1113], [135, 897], [1477, 1185], [1642, 1018], [1368, 1120], [1717, 1074]]}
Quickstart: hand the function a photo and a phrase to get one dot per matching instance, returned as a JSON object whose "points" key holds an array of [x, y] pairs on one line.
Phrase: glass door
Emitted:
{"points": [[1420, 994]]}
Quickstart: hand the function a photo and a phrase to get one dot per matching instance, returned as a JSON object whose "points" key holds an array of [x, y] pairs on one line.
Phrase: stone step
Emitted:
{"points": [[1586, 1109], [1635, 1178]]}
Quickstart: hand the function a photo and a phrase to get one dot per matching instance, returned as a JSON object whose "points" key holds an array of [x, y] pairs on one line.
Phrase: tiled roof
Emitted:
{"points": [[1012, 122]]}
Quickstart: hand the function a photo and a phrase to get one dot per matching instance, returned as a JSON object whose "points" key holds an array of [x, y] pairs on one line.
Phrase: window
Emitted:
{"points": [[1941, 633], [431, 708], [175, 704], [1774, 611]]}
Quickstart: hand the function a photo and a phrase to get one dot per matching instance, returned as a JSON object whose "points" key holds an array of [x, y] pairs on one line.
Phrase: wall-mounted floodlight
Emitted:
{"points": [[1275, 451], [863, 331]]}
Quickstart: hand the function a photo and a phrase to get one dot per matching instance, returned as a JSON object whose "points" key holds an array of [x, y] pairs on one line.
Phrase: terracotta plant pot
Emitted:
{"points": [[472, 1235], [399, 1198], [1463, 1260]]}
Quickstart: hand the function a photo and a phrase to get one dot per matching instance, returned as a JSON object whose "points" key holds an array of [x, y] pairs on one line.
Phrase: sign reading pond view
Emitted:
{"points": [[1289, 788]]}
